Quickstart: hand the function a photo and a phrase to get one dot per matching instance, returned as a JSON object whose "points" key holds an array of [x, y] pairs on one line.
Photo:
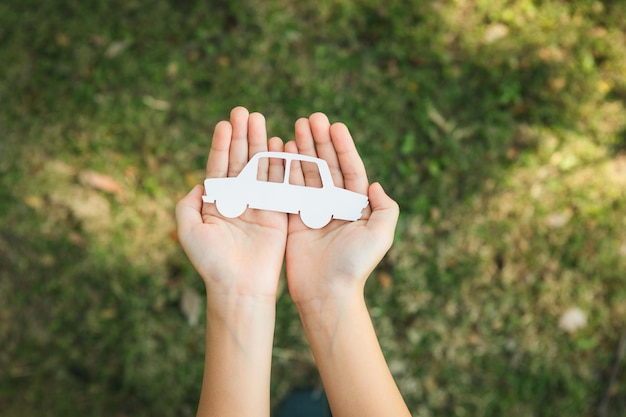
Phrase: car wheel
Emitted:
{"points": [[315, 219], [230, 208]]}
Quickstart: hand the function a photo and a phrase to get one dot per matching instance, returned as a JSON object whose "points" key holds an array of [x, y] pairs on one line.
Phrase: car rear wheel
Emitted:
{"points": [[315, 219], [231, 208]]}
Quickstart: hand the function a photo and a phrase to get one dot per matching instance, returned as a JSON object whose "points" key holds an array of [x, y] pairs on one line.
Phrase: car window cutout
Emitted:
{"points": [[310, 170], [306, 189], [274, 164]]}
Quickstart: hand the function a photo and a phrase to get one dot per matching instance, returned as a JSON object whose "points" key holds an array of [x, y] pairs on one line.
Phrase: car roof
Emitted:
{"points": [[288, 156]]}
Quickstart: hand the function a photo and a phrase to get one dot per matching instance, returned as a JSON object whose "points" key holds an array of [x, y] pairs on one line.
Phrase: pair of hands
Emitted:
{"points": [[242, 257]]}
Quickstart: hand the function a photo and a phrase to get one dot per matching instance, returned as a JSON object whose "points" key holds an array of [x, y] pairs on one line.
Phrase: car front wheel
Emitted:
{"points": [[315, 219], [230, 208]]}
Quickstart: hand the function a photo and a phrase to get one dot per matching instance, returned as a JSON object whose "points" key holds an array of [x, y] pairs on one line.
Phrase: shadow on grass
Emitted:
{"points": [[440, 111], [84, 333]]}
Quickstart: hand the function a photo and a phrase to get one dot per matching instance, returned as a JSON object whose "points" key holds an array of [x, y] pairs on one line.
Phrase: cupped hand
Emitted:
{"points": [[242, 256], [333, 262]]}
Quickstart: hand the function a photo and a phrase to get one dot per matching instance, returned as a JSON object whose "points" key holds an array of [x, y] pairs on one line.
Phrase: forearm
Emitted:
{"points": [[238, 359], [355, 374]]}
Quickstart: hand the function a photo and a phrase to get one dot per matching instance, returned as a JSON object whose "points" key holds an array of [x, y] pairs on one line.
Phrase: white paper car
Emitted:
{"points": [[317, 206]]}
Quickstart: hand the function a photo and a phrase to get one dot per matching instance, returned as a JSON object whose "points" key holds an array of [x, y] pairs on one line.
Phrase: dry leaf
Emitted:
{"points": [[172, 69], [155, 103], [100, 182], [34, 202], [558, 220], [385, 279], [474, 338], [191, 178], [115, 48], [573, 319], [494, 32], [191, 306]]}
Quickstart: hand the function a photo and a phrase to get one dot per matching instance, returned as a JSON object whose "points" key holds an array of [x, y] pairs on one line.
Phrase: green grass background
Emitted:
{"points": [[499, 126]]}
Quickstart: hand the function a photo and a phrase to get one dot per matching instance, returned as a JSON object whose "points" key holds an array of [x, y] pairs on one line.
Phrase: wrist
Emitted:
{"points": [[235, 306], [227, 292], [239, 339], [244, 324], [331, 308]]}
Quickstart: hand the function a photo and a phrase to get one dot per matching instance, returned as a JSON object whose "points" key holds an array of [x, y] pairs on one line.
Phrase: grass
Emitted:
{"points": [[498, 126]]}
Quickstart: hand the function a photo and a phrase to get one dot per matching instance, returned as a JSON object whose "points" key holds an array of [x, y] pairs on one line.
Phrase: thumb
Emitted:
{"points": [[188, 209], [385, 212]]}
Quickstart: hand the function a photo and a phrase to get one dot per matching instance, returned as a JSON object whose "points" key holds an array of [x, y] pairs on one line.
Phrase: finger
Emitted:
{"points": [[276, 166], [296, 177], [320, 129], [257, 142], [275, 144], [217, 163], [350, 162], [306, 146], [384, 217], [257, 134], [239, 144], [304, 138], [188, 210]]}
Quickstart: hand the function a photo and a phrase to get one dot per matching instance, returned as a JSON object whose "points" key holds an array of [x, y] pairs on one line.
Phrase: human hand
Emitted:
{"points": [[327, 269], [332, 264], [240, 257]]}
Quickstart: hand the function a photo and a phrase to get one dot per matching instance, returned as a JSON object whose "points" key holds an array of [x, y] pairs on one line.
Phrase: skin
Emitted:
{"points": [[326, 272], [240, 262]]}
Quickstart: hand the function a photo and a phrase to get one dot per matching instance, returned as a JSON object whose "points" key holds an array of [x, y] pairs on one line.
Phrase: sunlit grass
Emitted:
{"points": [[498, 127]]}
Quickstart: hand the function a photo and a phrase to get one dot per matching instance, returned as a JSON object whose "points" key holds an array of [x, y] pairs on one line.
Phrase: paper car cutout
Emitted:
{"points": [[317, 206]]}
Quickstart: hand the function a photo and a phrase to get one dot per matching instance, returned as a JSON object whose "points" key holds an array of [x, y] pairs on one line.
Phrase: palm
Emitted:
{"points": [[316, 259], [326, 261], [250, 246], [241, 255]]}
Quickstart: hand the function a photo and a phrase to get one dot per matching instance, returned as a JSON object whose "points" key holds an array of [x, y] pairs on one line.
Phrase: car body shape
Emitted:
{"points": [[316, 206]]}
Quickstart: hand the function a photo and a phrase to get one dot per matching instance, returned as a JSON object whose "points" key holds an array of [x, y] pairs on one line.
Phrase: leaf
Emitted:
{"points": [[558, 220], [572, 320], [408, 144], [385, 280], [100, 182], [156, 104], [494, 32], [115, 48], [191, 306]]}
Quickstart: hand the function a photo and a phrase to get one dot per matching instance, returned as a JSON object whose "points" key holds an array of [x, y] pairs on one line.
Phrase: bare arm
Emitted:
{"points": [[327, 270], [238, 359], [355, 374], [240, 261]]}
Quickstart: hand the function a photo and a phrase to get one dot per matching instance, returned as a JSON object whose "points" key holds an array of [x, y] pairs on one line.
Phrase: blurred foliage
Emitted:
{"points": [[499, 126]]}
